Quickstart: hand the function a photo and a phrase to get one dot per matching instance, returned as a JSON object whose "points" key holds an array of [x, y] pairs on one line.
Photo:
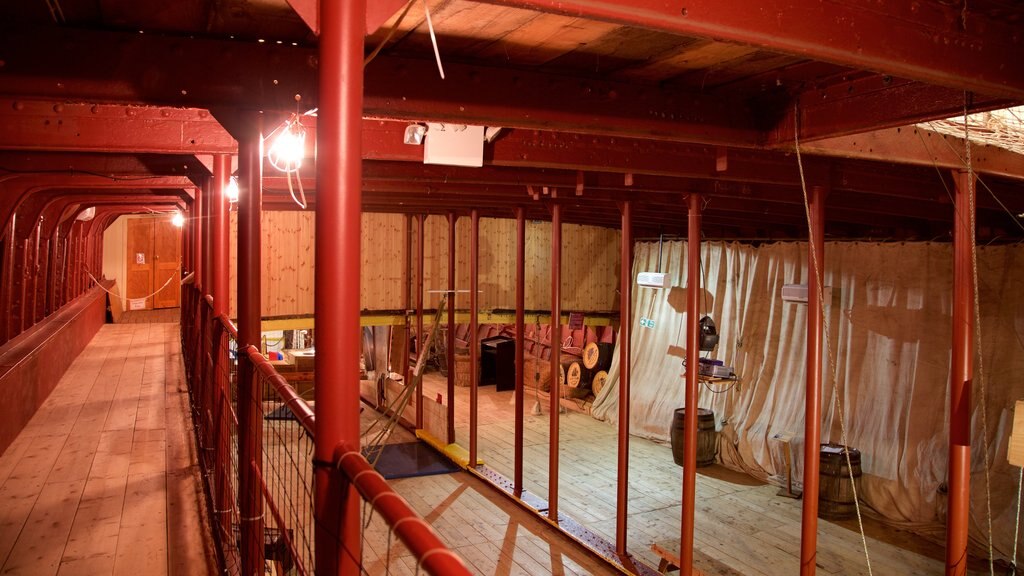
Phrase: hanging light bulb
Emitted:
{"points": [[289, 146], [231, 190], [178, 219]]}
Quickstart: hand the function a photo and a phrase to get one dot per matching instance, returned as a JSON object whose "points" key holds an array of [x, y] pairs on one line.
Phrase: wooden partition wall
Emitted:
{"points": [[590, 263]]}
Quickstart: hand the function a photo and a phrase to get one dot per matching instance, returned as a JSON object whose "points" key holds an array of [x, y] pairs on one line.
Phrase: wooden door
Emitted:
{"points": [[167, 249], [141, 261]]}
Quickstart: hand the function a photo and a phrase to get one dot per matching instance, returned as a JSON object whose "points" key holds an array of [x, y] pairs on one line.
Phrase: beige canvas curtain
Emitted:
{"points": [[888, 357]]}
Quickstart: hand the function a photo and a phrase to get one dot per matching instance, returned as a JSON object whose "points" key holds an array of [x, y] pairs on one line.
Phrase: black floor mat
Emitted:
{"points": [[411, 459]]}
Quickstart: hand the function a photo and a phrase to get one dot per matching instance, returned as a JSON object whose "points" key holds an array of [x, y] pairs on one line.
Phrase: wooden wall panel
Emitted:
{"points": [[590, 263]]}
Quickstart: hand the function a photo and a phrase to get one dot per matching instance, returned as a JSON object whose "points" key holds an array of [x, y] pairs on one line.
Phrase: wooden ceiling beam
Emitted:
{"points": [[947, 45]]}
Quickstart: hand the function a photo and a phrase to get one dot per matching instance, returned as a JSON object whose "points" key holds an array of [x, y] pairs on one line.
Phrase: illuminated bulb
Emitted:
{"points": [[178, 219], [288, 148], [231, 190]]}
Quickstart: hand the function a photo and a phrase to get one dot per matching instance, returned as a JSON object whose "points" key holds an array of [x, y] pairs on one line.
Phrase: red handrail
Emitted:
{"points": [[434, 556], [292, 400]]}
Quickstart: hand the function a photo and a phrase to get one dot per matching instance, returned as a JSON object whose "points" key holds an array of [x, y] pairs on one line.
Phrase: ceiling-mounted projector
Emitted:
{"points": [[652, 279], [708, 334]]}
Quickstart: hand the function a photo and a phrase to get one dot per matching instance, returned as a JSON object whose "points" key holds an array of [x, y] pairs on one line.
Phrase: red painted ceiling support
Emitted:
{"points": [[961, 378], [220, 232], [555, 339], [930, 42], [693, 289], [812, 407], [106, 66], [625, 358], [377, 13], [517, 481], [55, 125], [250, 417], [338, 333], [420, 340], [474, 334], [450, 344]]}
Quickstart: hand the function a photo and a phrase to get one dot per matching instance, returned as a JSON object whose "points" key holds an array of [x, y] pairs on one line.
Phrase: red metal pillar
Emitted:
{"points": [[961, 377], [556, 348], [195, 235], [338, 214], [407, 300], [220, 234], [420, 340], [451, 327], [210, 191], [474, 336], [250, 167], [517, 481], [693, 289], [812, 409], [625, 356], [219, 287]]}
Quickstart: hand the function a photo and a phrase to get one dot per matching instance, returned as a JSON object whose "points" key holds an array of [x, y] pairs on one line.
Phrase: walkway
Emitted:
{"points": [[103, 479]]}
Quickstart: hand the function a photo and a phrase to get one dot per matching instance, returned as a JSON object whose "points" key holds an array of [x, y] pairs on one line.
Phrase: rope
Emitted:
{"points": [[151, 294], [977, 334], [1016, 524], [828, 341]]}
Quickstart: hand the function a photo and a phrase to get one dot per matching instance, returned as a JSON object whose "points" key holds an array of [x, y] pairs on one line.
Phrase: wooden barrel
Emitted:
{"points": [[707, 437], [576, 379], [597, 384], [835, 491], [597, 356]]}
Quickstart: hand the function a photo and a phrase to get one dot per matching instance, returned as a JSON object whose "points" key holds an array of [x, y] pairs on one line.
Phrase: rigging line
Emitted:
{"points": [[391, 32], [1016, 524], [984, 184], [828, 339], [971, 221], [433, 38]]}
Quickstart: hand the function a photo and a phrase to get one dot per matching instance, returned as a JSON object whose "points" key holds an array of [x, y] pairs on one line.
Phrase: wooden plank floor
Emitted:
{"points": [[103, 479], [493, 535], [742, 526]]}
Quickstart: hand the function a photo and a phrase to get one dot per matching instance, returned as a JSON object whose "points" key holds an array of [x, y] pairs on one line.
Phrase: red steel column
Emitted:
{"points": [[250, 425], [195, 238], [961, 376], [220, 234], [209, 191], [812, 409], [407, 299], [474, 336], [625, 356], [693, 288], [451, 327], [517, 481], [420, 340], [220, 242], [338, 213], [556, 348]]}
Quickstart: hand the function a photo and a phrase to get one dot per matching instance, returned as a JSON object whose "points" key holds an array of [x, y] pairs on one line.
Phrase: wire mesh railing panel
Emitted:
{"points": [[280, 475], [287, 469]]}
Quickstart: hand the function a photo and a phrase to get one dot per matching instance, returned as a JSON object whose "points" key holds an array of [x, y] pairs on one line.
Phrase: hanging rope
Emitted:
{"points": [[1016, 523], [828, 341], [977, 333]]}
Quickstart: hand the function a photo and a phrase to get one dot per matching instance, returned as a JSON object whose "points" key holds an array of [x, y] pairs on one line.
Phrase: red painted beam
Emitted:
{"points": [[693, 288], [871, 103], [337, 505], [961, 378], [625, 360], [555, 338], [812, 406], [55, 125], [932, 42]]}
